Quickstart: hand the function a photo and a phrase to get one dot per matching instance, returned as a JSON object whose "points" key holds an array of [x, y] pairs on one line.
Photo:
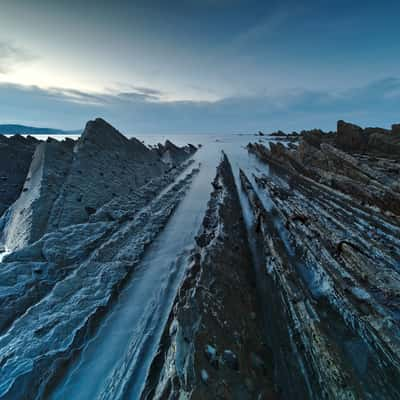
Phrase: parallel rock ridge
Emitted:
{"points": [[291, 289], [367, 169], [69, 181], [74, 236], [213, 344], [331, 246]]}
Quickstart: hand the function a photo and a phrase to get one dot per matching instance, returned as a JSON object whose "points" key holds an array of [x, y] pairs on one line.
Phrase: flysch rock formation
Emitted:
{"points": [[172, 154], [368, 173], [331, 246], [69, 181], [15, 158], [291, 290], [213, 345], [55, 288]]}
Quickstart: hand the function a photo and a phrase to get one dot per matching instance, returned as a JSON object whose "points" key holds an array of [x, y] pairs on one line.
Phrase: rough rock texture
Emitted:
{"points": [[15, 158], [106, 165], [26, 220], [351, 137], [54, 291], [213, 345], [173, 155], [70, 181], [367, 178], [332, 266], [64, 268]]}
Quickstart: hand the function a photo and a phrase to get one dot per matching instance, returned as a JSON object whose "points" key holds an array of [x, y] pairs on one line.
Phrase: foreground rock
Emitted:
{"points": [[58, 288], [213, 345], [64, 269]]}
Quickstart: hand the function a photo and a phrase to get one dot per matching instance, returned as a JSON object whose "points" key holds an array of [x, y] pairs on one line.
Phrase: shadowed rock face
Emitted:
{"points": [[350, 137], [213, 344], [27, 219], [15, 158]]}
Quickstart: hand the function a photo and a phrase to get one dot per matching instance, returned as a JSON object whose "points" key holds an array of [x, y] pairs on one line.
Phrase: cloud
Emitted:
{"points": [[140, 110], [11, 55], [262, 31]]}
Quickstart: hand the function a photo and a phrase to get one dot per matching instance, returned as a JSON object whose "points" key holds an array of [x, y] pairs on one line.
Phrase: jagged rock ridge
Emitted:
{"points": [[213, 344], [59, 283], [69, 181], [331, 249]]}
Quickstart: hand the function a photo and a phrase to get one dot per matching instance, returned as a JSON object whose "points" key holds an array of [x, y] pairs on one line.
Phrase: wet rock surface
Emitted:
{"points": [[213, 345], [58, 282], [368, 172], [330, 240]]}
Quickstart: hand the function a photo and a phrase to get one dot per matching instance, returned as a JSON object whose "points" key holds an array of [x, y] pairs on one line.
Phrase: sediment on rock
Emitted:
{"points": [[213, 345]]}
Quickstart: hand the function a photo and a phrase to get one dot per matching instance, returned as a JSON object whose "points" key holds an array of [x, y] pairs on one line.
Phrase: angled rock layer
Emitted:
{"points": [[331, 245], [213, 344]]}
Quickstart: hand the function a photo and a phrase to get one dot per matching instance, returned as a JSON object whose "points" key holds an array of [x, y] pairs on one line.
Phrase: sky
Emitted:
{"points": [[200, 66]]}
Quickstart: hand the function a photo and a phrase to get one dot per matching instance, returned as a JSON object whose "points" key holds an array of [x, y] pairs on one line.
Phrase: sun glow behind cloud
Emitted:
{"points": [[192, 58]]}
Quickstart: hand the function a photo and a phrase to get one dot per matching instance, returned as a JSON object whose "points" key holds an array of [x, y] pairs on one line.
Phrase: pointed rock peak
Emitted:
{"points": [[170, 146], [396, 129], [102, 133], [343, 126]]}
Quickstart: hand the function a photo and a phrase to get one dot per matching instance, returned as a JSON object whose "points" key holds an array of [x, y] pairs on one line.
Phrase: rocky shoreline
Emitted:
{"points": [[340, 292], [55, 289], [213, 345], [291, 288]]}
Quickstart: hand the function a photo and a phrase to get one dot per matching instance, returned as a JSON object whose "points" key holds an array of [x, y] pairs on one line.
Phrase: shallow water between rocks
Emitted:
{"points": [[114, 363]]}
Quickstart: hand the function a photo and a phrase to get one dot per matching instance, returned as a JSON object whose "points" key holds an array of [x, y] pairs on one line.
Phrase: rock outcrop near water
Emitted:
{"points": [[290, 290], [368, 171], [331, 245], [173, 155], [70, 181], [65, 270], [213, 345]]}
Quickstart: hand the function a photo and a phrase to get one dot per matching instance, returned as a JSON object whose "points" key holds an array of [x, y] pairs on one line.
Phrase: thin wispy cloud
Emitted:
{"points": [[263, 30]]}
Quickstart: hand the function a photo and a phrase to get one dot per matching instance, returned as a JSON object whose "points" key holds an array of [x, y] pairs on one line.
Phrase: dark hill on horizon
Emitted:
{"points": [[12, 129]]}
